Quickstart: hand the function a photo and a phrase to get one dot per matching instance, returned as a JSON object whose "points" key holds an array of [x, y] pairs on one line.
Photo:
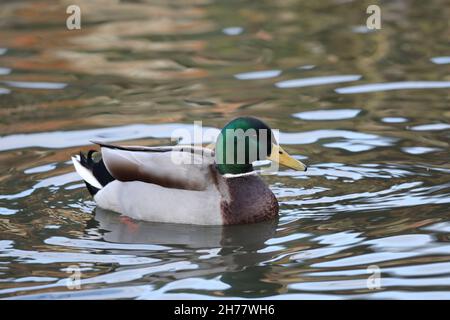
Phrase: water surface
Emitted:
{"points": [[368, 111]]}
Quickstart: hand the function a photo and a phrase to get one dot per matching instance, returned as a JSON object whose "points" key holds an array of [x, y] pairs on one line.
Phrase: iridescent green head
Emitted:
{"points": [[245, 140]]}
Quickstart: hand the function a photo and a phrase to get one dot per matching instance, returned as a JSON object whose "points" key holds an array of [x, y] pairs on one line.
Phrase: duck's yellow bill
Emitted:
{"points": [[282, 157]]}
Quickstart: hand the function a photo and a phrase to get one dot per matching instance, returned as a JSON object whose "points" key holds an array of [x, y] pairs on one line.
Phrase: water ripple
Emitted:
{"points": [[316, 81], [394, 119], [36, 85], [65, 139], [183, 133], [233, 31], [333, 114], [353, 141], [266, 74], [387, 86], [4, 71], [431, 127], [47, 257], [441, 60], [92, 244]]}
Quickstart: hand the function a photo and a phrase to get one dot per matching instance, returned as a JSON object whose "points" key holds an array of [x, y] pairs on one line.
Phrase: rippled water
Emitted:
{"points": [[367, 110]]}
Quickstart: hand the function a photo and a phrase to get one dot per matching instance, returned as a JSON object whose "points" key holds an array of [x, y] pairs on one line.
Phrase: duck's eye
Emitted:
{"points": [[280, 152]]}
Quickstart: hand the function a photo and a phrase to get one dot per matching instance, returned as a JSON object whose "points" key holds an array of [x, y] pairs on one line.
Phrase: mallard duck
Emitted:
{"points": [[188, 184]]}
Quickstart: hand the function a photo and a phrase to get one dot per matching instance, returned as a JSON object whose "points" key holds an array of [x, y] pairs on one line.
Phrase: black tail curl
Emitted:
{"points": [[97, 168]]}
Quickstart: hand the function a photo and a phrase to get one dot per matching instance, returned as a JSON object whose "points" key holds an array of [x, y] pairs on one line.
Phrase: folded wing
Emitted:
{"points": [[180, 167]]}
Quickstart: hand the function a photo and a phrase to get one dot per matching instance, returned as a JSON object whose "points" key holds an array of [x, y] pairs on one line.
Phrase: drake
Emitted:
{"points": [[188, 184]]}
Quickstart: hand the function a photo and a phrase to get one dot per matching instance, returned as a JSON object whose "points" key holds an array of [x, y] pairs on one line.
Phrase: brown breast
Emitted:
{"points": [[245, 199]]}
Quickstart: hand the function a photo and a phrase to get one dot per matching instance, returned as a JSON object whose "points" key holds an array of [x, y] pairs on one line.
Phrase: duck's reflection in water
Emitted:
{"points": [[121, 229], [231, 252]]}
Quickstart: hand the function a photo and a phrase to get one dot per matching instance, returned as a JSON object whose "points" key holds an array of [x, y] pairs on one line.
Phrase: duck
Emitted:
{"points": [[189, 184]]}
